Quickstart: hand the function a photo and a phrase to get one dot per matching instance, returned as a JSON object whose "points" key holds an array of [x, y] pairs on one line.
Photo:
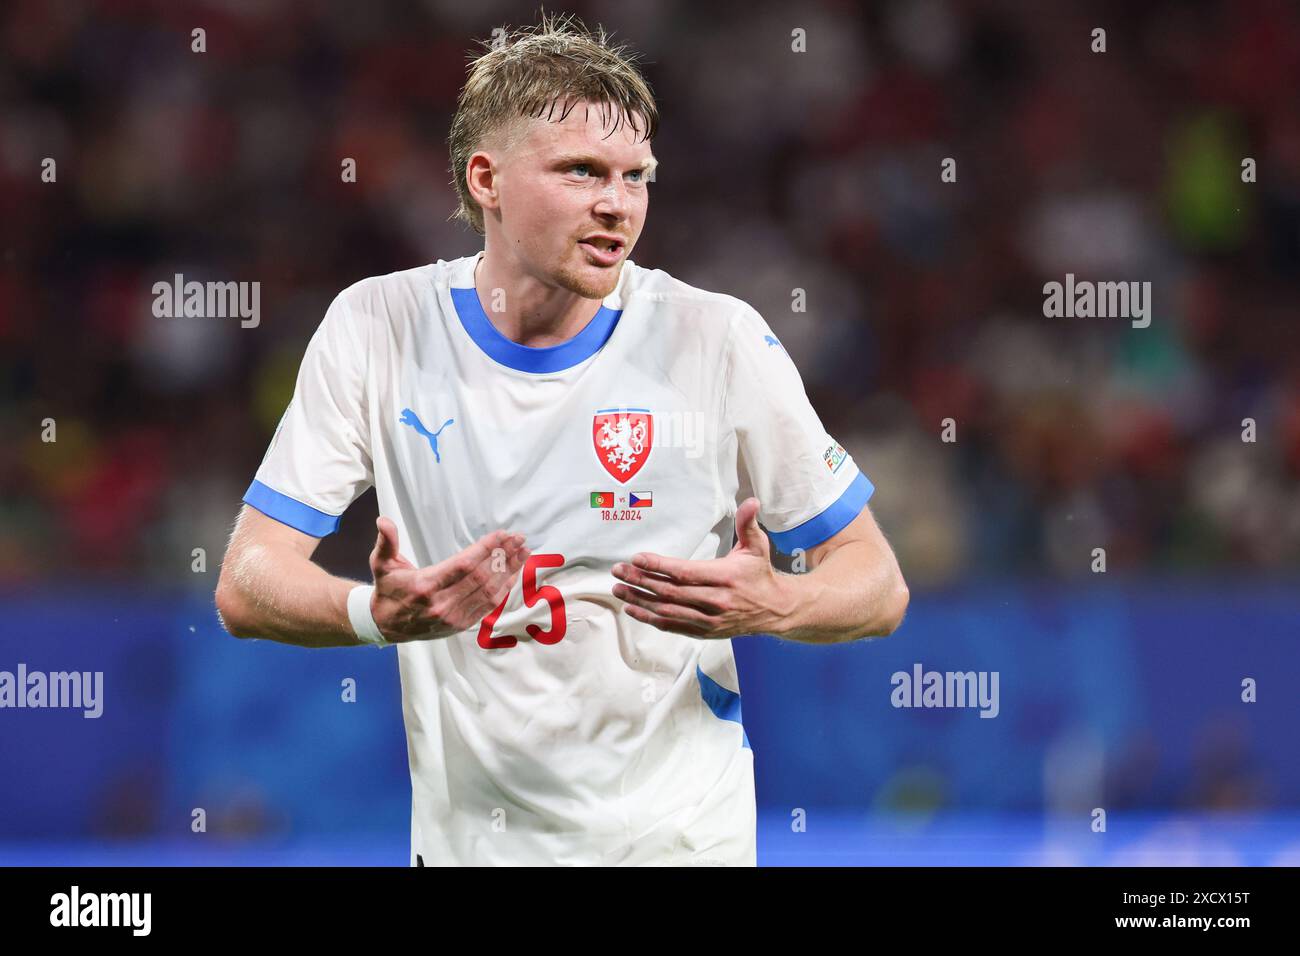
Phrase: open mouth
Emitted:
{"points": [[602, 245]]}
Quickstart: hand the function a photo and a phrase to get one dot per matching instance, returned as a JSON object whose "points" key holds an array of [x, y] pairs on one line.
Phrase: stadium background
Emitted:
{"points": [[779, 171]]}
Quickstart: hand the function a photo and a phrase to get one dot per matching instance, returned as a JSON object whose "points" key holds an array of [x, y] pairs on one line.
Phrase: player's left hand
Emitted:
{"points": [[723, 597]]}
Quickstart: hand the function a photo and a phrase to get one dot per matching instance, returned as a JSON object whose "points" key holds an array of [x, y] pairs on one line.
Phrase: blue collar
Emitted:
{"points": [[552, 358]]}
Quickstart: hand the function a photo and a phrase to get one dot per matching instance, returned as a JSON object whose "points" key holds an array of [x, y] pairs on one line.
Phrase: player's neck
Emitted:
{"points": [[534, 315]]}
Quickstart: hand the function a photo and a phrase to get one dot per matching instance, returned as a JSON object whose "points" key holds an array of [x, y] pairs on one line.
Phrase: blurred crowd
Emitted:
{"points": [[780, 170]]}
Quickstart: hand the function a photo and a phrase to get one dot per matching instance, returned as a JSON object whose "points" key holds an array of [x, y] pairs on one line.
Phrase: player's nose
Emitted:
{"points": [[614, 200]]}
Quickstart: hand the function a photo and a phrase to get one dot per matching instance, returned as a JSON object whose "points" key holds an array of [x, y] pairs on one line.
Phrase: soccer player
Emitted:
{"points": [[561, 442]]}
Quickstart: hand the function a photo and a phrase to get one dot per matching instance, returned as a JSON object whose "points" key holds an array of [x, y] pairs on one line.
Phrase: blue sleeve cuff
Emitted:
{"points": [[830, 522], [290, 511]]}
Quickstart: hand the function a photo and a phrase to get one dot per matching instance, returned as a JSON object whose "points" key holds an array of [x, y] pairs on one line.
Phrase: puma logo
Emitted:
{"points": [[410, 418]]}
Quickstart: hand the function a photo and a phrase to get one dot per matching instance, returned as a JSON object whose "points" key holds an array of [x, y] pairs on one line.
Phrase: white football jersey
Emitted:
{"points": [[562, 731]]}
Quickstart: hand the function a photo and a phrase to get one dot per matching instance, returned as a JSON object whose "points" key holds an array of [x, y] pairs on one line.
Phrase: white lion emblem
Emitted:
{"points": [[624, 440]]}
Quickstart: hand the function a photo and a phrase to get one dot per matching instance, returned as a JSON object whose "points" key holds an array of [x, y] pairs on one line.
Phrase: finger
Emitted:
{"points": [[448, 572], [482, 589], [467, 602], [469, 608], [749, 536], [499, 570], [387, 551], [677, 613], [704, 573], [672, 627], [386, 545], [703, 598]]}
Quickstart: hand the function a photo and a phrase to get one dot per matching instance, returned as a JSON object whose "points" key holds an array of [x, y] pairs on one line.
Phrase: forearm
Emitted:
{"points": [[853, 592], [276, 593]]}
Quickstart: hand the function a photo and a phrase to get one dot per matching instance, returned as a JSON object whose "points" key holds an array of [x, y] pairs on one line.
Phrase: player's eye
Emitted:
{"points": [[639, 174], [582, 166]]}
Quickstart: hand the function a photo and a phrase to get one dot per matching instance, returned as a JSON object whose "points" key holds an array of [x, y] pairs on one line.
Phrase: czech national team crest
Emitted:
{"points": [[623, 437]]}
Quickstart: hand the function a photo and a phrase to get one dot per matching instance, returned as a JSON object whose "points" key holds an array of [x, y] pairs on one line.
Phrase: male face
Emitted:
{"points": [[571, 198]]}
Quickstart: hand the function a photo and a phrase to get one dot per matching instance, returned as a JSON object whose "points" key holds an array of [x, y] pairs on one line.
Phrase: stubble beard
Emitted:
{"points": [[589, 282]]}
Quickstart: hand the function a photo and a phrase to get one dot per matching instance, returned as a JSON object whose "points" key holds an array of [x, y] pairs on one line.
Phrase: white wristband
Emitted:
{"points": [[363, 622]]}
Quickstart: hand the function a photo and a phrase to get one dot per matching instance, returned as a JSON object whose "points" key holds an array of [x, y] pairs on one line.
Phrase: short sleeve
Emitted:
{"points": [[319, 459], [809, 488]]}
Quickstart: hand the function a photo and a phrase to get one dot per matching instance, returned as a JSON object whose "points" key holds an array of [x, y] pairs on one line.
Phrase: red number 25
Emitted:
{"points": [[532, 594]]}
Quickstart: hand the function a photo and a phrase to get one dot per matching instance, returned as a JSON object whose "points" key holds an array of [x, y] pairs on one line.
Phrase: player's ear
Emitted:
{"points": [[481, 180]]}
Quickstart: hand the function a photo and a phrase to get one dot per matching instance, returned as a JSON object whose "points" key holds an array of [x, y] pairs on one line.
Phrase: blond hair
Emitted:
{"points": [[525, 73]]}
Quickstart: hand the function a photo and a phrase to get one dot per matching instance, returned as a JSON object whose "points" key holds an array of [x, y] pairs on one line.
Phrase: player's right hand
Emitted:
{"points": [[415, 604]]}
